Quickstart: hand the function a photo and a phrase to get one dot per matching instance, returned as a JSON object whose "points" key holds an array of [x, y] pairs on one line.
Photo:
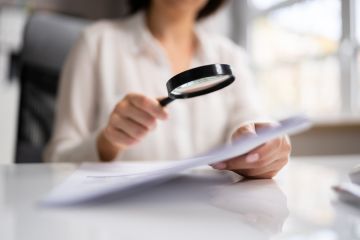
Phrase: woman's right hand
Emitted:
{"points": [[132, 118]]}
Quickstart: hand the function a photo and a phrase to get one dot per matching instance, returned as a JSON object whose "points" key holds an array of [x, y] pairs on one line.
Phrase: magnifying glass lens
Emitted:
{"points": [[198, 81], [200, 84]]}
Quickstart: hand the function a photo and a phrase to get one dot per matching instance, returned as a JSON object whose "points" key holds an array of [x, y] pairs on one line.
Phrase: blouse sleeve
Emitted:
{"points": [[244, 103], [74, 135]]}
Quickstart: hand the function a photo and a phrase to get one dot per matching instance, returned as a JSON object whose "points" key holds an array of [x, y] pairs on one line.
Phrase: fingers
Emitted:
{"points": [[141, 117], [268, 150], [262, 162], [118, 137], [262, 125], [256, 158], [133, 117], [128, 126], [267, 171], [149, 105], [246, 130]]}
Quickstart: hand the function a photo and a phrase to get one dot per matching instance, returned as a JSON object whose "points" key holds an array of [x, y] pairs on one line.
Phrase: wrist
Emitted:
{"points": [[107, 150]]}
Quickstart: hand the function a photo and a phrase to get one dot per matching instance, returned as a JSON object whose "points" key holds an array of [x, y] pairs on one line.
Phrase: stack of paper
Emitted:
{"points": [[92, 181], [350, 191]]}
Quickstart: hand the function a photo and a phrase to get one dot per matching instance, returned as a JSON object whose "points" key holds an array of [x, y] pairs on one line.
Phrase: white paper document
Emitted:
{"points": [[349, 191], [94, 180]]}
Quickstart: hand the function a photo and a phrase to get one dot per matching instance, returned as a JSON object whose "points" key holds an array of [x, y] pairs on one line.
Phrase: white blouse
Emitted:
{"points": [[113, 58]]}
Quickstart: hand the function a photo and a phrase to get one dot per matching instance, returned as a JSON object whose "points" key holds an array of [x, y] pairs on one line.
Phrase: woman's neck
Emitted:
{"points": [[170, 28], [176, 35]]}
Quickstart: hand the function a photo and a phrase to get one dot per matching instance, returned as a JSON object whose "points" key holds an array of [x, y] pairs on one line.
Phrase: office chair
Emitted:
{"points": [[47, 40]]}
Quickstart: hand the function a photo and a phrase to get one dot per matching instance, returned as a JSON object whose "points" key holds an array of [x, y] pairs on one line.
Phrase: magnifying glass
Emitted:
{"points": [[198, 81]]}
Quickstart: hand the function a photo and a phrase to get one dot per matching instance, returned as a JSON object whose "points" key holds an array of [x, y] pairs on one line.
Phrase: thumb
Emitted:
{"points": [[262, 125], [244, 131]]}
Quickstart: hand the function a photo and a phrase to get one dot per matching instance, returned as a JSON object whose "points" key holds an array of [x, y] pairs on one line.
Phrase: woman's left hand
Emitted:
{"points": [[263, 162]]}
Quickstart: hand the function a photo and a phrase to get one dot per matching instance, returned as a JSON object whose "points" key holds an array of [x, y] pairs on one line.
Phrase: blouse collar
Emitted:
{"points": [[144, 41]]}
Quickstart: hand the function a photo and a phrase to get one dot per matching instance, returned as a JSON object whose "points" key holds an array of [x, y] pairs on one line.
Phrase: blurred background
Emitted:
{"points": [[304, 54]]}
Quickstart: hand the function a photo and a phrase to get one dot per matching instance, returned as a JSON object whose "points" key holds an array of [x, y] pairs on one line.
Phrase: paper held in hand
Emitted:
{"points": [[96, 180]]}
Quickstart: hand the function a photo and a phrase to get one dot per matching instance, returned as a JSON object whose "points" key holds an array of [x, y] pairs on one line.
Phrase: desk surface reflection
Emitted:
{"points": [[202, 204]]}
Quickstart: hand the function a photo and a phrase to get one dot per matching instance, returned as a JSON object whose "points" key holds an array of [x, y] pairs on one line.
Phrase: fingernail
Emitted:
{"points": [[219, 166], [252, 158]]}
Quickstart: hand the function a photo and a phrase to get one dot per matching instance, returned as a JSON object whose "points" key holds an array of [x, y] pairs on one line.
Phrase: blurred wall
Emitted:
{"points": [[340, 138]]}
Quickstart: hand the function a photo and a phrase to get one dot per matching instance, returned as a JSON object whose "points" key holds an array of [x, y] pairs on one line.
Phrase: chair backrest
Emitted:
{"points": [[48, 39]]}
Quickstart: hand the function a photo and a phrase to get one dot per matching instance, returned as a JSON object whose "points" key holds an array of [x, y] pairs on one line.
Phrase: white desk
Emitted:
{"points": [[299, 204]]}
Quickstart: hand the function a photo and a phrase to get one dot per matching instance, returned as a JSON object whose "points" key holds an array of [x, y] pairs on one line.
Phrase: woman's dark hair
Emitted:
{"points": [[211, 7]]}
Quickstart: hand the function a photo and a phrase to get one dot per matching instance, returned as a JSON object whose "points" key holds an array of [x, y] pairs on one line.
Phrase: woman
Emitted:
{"points": [[108, 107]]}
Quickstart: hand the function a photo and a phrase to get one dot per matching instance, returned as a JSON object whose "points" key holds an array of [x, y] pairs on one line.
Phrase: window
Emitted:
{"points": [[302, 54]]}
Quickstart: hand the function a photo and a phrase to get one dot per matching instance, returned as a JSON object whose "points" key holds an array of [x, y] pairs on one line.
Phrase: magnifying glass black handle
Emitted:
{"points": [[165, 101]]}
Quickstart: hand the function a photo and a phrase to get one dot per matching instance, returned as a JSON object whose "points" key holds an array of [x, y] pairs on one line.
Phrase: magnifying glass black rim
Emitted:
{"points": [[212, 70]]}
